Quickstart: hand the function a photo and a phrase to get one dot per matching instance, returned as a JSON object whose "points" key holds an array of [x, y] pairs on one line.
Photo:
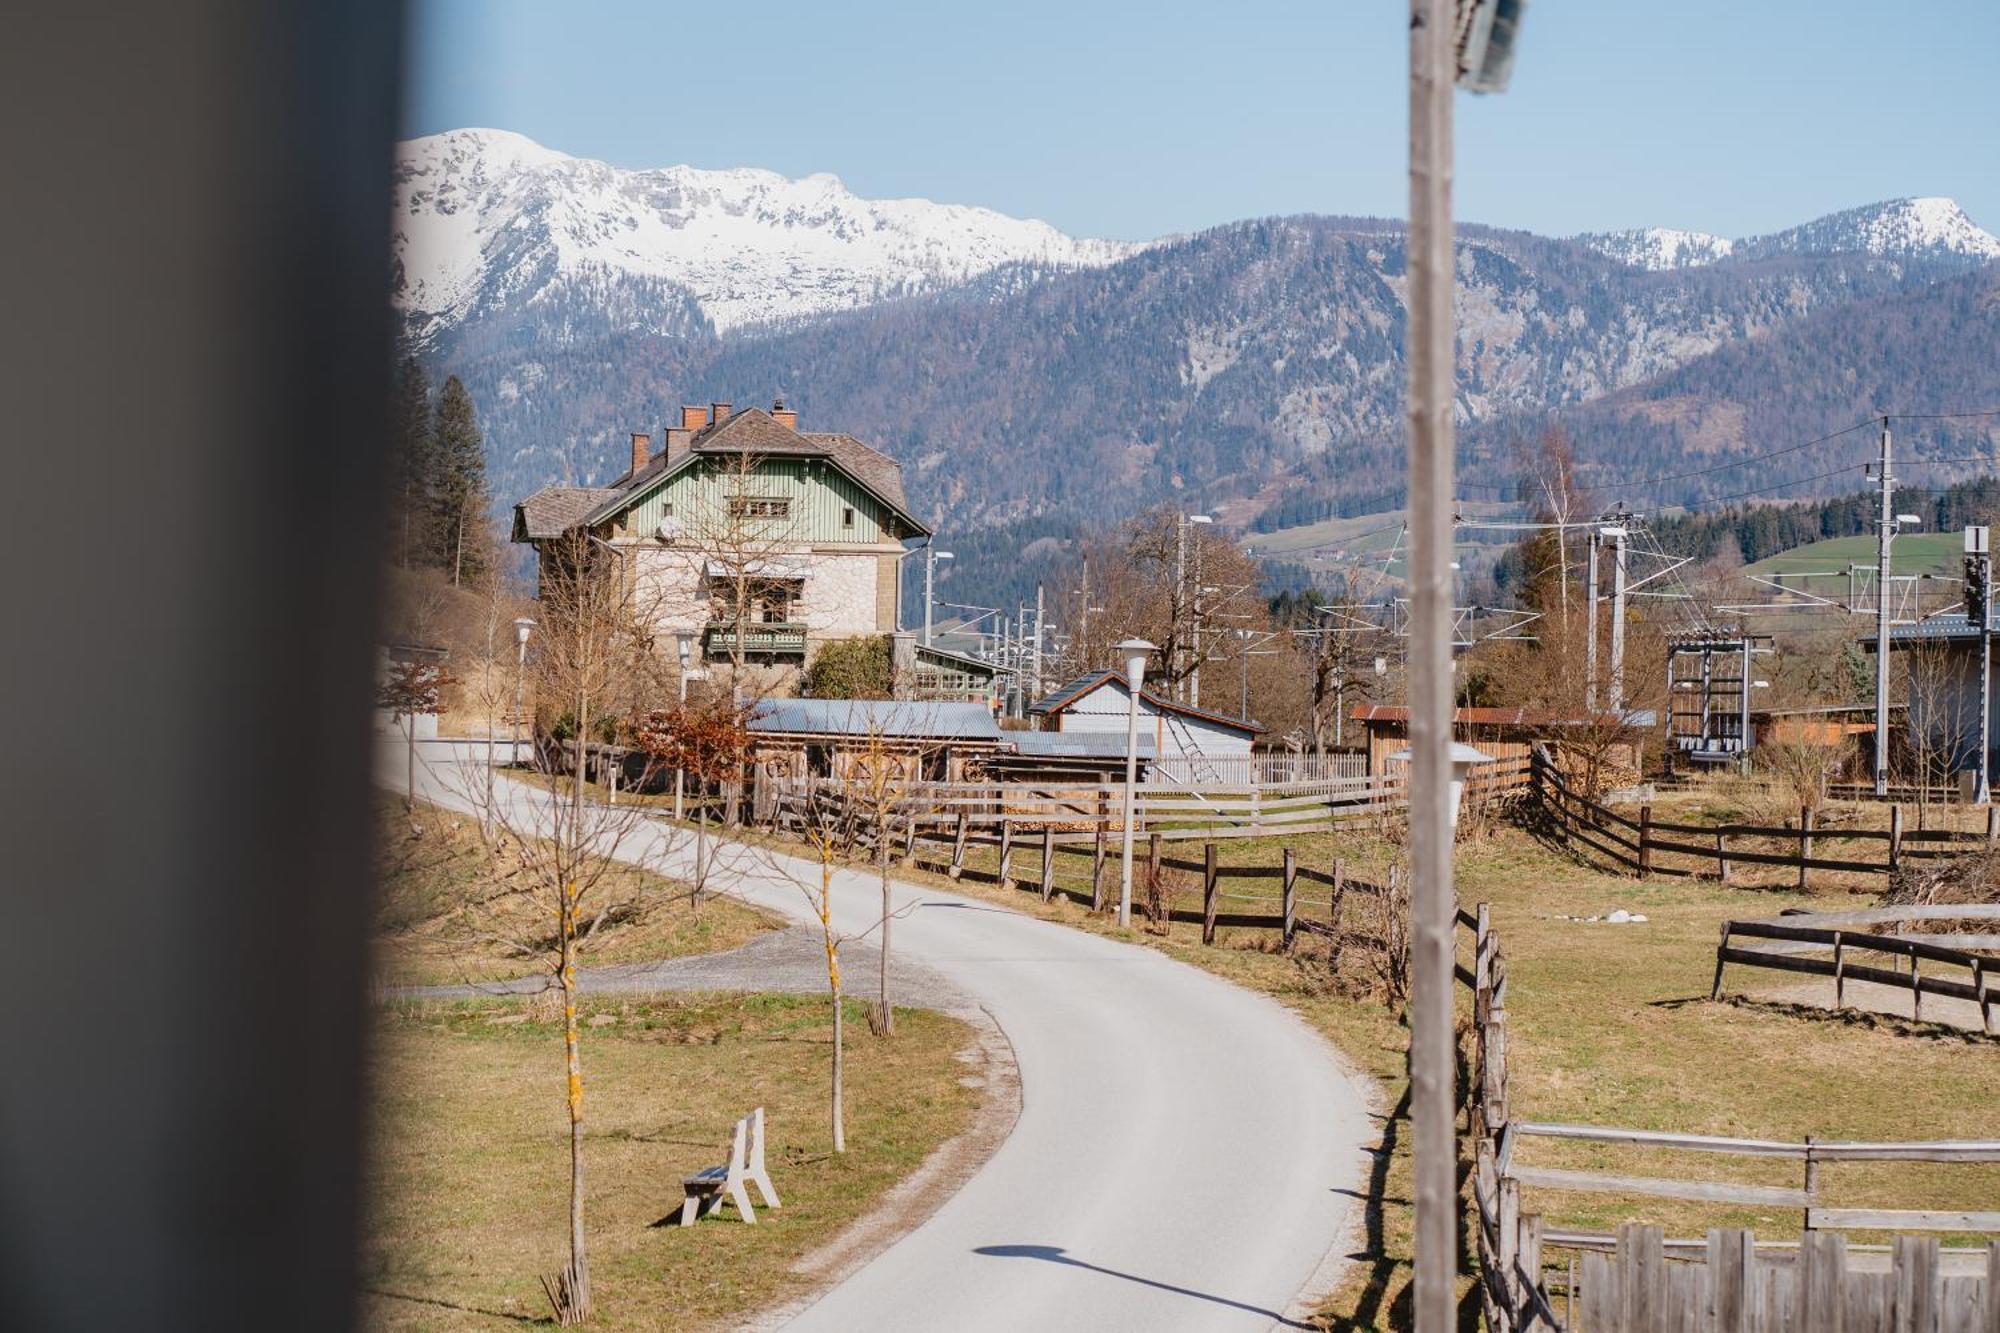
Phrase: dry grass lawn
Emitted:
{"points": [[470, 1166], [450, 905]]}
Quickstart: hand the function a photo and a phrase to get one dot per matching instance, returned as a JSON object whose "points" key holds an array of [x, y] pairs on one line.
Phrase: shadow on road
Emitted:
{"points": [[1056, 1255]]}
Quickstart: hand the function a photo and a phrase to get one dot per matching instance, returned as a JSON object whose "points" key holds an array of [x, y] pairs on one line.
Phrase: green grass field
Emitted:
{"points": [[1914, 553]]}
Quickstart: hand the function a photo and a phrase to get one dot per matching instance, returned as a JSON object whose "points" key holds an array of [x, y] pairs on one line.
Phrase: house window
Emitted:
{"points": [[847, 517], [667, 509], [759, 506]]}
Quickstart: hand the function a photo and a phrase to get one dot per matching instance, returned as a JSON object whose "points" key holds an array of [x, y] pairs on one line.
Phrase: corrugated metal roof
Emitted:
{"points": [[1077, 744], [899, 718], [1952, 626]]}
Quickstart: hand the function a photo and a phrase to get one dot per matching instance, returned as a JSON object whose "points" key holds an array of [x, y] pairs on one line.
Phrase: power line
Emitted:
{"points": [[1743, 462]]}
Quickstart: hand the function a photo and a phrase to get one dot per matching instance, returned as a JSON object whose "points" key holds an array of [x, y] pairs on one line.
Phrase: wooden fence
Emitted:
{"points": [[1642, 844], [1083, 811], [1636, 1281], [1839, 945]]}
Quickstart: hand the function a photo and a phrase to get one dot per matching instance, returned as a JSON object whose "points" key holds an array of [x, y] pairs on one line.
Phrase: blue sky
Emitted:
{"points": [[1135, 120]]}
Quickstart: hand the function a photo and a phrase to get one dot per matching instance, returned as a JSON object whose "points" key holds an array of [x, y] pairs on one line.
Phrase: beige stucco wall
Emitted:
{"points": [[840, 595]]}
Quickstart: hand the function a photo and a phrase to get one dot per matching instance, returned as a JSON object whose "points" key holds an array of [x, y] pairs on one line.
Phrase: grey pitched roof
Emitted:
{"points": [[1077, 744], [1066, 694], [946, 656], [870, 466], [755, 431], [553, 510], [895, 718]]}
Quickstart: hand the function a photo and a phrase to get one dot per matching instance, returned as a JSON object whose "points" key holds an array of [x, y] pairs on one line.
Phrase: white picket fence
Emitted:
{"points": [[1258, 770]]}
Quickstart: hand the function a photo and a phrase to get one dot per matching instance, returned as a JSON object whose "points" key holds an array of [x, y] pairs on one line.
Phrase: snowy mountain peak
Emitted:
{"points": [[488, 221], [1931, 228], [1659, 247]]}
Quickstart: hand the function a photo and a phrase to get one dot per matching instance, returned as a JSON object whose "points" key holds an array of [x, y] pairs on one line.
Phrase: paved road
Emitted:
{"points": [[1187, 1153]]}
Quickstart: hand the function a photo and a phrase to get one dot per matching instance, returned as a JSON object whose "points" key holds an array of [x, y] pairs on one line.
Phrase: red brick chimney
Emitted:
{"points": [[718, 413], [783, 415], [642, 445], [693, 418]]}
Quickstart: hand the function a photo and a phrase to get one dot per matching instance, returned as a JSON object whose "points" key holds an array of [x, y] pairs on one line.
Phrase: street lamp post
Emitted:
{"points": [[1135, 651], [931, 556], [684, 640], [522, 629]]}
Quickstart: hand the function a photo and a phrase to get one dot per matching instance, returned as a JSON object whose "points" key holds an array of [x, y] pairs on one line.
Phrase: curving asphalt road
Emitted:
{"points": [[1187, 1152]]}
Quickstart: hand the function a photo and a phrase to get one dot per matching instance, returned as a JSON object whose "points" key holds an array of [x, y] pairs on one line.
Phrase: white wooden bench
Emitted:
{"points": [[708, 1189]]}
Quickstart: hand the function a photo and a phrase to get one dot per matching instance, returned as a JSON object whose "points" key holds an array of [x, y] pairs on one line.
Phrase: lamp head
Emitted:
{"points": [[1135, 652], [522, 628]]}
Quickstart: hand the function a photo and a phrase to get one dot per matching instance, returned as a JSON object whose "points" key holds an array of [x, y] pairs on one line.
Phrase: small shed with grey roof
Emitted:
{"points": [[940, 742], [1099, 701]]}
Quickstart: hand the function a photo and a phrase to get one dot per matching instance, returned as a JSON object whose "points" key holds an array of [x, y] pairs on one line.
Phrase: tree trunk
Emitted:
{"points": [[839, 1065], [882, 863], [579, 1262], [410, 763]]}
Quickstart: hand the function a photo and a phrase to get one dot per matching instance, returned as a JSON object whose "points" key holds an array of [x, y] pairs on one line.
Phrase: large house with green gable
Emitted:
{"points": [[763, 541]]}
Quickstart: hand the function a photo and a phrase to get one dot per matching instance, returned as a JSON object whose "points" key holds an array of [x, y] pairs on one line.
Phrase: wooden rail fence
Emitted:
{"points": [[1839, 944], [1638, 844], [1637, 1281]]}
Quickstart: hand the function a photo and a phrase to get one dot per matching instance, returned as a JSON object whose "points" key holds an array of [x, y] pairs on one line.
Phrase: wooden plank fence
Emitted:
{"points": [[1638, 1281], [1638, 844], [1078, 811]]}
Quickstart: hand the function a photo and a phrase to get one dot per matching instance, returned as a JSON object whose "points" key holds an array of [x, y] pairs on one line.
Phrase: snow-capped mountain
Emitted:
{"points": [[1659, 247], [1932, 228], [489, 223], [1929, 228]]}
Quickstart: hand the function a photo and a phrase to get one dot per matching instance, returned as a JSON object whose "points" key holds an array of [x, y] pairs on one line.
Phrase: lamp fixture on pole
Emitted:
{"points": [[522, 629], [1134, 652]]}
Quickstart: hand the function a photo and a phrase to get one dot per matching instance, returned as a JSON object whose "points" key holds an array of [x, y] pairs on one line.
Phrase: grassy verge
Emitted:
{"points": [[470, 1164], [451, 903], [1610, 1024]]}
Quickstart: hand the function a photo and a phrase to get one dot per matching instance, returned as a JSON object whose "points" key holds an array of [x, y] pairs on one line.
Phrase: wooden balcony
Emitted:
{"points": [[760, 639]]}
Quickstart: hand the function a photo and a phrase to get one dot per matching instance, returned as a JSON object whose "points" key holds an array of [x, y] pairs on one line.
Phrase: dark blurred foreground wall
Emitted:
{"points": [[193, 344]]}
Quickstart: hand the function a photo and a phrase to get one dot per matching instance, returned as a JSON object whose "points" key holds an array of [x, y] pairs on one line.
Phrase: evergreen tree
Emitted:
{"points": [[414, 461], [458, 488]]}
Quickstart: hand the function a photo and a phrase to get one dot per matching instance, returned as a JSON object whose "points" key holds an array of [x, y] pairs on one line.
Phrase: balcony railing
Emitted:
{"points": [[760, 638]]}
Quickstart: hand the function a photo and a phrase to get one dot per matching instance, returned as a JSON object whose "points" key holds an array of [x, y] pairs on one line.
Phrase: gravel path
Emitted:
{"points": [[790, 960]]}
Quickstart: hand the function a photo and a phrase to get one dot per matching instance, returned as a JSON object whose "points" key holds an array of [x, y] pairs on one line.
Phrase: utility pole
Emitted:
{"points": [[1429, 331], [1035, 660], [1083, 619], [1885, 532], [1618, 536], [931, 556], [1979, 611], [1179, 603], [1469, 41], [1194, 629], [1590, 627]]}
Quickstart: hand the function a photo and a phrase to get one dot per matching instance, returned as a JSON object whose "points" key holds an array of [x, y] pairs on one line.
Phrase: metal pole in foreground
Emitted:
{"points": [[1590, 627], [1135, 651], [1433, 66], [1885, 533]]}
